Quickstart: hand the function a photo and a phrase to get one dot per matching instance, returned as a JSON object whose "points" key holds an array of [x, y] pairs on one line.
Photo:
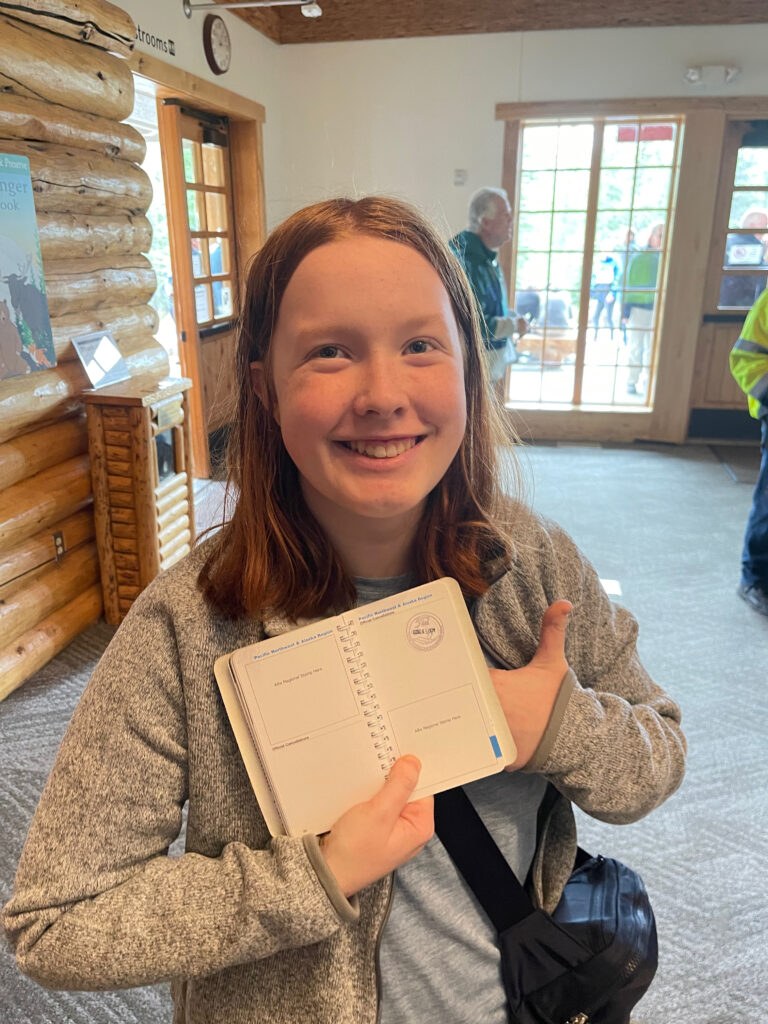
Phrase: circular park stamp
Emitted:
{"points": [[424, 631]]}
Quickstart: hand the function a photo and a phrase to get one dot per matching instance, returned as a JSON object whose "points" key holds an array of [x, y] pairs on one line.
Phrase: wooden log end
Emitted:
{"points": [[28, 653]]}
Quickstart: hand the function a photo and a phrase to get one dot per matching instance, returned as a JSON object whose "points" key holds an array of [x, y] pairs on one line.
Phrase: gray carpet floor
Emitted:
{"points": [[666, 524]]}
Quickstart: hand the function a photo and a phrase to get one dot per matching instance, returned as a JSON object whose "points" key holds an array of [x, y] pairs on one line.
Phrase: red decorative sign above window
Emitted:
{"points": [[648, 132]]}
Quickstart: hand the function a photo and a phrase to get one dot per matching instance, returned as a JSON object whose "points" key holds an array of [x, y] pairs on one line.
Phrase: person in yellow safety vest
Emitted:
{"points": [[749, 366]]}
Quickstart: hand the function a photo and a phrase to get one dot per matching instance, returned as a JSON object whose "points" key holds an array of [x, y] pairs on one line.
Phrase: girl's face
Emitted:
{"points": [[368, 375]]}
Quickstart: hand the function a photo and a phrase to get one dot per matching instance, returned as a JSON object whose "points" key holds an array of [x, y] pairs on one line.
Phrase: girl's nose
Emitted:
{"points": [[380, 389]]}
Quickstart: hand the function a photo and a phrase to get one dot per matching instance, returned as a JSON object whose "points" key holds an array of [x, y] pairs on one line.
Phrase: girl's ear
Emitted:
{"points": [[259, 382], [259, 385]]}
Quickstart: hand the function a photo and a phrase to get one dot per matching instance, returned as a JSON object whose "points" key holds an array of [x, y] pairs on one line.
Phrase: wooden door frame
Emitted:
{"points": [[688, 259], [246, 118]]}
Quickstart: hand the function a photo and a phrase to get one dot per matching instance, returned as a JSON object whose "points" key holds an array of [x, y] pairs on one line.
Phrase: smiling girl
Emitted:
{"points": [[364, 456]]}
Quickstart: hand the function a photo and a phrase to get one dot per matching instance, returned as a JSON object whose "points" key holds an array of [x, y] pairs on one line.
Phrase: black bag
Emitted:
{"points": [[590, 961]]}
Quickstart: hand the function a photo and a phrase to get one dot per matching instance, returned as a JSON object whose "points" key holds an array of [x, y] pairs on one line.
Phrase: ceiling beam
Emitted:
{"points": [[346, 20]]}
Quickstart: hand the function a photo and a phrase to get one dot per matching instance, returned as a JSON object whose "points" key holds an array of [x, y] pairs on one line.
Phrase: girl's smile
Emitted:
{"points": [[381, 447], [368, 377]]}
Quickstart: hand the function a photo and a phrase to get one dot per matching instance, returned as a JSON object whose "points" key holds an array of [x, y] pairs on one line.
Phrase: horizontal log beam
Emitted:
{"points": [[149, 358], [171, 531], [36, 399], [70, 180], [89, 21], [57, 586], [46, 396], [168, 550], [29, 652], [80, 77], [36, 503], [174, 557], [171, 513], [124, 322], [76, 285], [171, 484], [31, 453], [82, 236], [23, 117], [19, 565]]}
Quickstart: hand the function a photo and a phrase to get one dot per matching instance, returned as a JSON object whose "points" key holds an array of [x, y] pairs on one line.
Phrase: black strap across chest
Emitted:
{"points": [[473, 850]]}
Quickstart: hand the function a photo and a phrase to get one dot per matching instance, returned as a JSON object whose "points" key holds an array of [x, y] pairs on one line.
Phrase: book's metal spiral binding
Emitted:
{"points": [[366, 696]]}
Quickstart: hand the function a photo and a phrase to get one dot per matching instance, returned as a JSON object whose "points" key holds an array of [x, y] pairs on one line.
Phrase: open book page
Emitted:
{"points": [[433, 686], [302, 708], [328, 707]]}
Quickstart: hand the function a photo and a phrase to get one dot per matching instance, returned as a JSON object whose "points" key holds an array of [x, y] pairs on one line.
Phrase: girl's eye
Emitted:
{"points": [[328, 352], [419, 346]]}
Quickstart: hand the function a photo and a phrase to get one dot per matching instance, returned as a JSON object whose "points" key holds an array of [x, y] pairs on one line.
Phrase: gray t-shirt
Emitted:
{"points": [[438, 956]]}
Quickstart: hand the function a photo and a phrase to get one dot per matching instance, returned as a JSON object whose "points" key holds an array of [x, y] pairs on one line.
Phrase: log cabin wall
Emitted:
{"points": [[65, 87]]}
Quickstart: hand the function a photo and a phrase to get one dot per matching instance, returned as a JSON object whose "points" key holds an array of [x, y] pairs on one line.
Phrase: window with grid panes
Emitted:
{"points": [[210, 231], [595, 202], [745, 266]]}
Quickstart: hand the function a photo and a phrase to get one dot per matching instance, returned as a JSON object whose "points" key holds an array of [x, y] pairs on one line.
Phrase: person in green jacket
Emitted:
{"points": [[639, 302], [749, 366], [490, 226]]}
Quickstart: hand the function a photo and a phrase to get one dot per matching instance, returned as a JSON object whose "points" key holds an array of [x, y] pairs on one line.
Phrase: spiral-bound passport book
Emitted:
{"points": [[321, 713]]}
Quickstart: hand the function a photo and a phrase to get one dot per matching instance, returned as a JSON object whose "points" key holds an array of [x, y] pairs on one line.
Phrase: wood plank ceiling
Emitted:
{"points": [[344, 20]]}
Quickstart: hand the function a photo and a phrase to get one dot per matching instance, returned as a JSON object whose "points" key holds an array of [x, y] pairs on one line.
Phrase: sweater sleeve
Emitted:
{"points": [[98, 903], [613, 745]]}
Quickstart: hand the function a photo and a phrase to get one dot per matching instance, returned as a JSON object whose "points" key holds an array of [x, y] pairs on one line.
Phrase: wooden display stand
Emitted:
{"points": [[138, 437]]}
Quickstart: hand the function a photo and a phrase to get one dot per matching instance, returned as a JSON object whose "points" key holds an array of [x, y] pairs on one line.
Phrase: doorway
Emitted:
{"points": [[208, 217], [198, 190], [595, 208], [737, 274]]}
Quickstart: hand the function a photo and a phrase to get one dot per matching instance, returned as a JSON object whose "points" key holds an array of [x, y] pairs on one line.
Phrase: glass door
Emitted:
{"points": [[741, 242], [738, 273], [198, 190], [595, 207]]}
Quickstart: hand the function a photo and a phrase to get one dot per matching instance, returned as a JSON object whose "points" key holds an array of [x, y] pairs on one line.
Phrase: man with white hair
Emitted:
{"points": [[490, 226]]}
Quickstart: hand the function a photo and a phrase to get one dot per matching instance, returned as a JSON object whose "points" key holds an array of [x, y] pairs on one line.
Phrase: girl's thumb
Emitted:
{"points": [[553, 626]]}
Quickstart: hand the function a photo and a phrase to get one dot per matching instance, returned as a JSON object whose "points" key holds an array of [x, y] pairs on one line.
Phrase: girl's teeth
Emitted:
{"points": [[381, 451]]}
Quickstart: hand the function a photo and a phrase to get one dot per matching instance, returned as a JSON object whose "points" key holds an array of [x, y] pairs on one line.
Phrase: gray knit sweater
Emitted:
{"points": [[248, 928]]}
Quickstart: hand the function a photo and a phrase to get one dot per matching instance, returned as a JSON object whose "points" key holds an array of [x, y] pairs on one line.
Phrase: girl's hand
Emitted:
{"points": [[527, 695], [375, 837]]}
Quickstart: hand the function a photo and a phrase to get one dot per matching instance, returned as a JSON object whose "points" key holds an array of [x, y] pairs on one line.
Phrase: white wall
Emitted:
{"points": [[399, 116]]}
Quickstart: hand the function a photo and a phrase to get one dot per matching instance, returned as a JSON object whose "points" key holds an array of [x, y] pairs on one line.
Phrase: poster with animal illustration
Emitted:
{"points": [[26, 342]]}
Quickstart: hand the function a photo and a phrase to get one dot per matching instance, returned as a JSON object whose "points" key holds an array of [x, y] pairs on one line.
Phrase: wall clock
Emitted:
{"points": [[216, 43]]}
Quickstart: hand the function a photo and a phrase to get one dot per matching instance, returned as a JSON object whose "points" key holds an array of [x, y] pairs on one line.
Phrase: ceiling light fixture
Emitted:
{"points": [[308, 9]]}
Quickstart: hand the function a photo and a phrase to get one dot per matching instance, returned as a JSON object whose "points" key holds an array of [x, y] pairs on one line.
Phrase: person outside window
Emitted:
{"points": [[604, 288], [639, 302], [744, 249]]}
